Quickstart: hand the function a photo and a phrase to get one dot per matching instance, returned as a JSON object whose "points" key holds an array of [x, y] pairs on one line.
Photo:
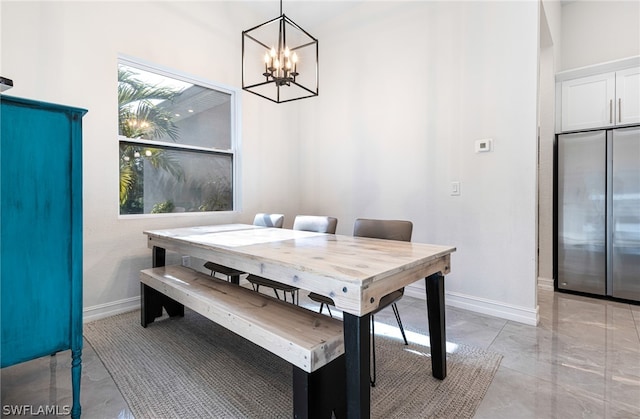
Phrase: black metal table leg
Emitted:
{"points": [[152, 301], [357, 346], [235, 279], [158, 257], [437, 332]]}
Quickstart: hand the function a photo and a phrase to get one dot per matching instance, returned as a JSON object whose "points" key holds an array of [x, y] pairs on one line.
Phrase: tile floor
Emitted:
{"points": [[583, 360]]}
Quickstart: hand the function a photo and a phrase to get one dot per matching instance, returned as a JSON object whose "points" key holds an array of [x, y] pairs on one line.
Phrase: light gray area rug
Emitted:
{"points": [[190, 367]]}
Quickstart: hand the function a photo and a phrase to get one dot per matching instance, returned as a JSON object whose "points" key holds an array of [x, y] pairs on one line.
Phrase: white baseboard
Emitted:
{"points": [[415, 292], [482, 305], [494, 308], [545, 284], [102, 311]]}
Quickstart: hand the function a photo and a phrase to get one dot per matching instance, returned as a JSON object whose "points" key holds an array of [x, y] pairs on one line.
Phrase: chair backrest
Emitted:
{"points": [[269, 220], [383, 229], [315, 223]]}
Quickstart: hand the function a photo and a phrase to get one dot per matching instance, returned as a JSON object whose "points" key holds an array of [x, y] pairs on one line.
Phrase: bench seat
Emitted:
{"points": [[304, 338]]}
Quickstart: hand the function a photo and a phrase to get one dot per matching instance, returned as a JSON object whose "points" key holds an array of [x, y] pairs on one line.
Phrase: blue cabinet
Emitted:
{"points": [[41, 233]]}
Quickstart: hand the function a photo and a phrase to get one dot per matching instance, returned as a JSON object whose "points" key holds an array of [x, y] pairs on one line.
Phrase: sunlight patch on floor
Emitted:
{"points": [[393, 332]]}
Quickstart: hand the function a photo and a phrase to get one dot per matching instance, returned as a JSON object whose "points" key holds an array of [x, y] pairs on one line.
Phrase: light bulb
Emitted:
{"points": [[287, 52], [273, 52]]}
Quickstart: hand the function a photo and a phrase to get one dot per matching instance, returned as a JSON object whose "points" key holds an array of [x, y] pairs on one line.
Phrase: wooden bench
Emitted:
{"points": [[311, 342]]}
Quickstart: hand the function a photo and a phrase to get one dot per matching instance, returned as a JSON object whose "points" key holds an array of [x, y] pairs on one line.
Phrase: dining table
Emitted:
{"points": [[355, 272]]}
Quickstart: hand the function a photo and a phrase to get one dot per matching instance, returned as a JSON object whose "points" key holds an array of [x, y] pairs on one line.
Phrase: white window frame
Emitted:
{"points": [[236, 124]]}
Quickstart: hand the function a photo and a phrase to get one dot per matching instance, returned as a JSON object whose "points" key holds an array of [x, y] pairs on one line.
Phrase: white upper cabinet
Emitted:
{"points": [[588, 102], [599, 96], [628, 96]]}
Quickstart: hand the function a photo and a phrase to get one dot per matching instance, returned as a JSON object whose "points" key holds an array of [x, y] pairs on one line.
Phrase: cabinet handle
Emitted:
{"points": [[611, 111], [619, 109]]}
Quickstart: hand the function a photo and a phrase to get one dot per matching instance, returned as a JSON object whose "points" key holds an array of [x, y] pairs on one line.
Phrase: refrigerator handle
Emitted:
{"points": [[609, 214]]}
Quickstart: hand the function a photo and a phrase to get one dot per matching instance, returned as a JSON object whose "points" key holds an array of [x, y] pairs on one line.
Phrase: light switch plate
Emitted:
{"points": [[186, 261], [455, 188]]}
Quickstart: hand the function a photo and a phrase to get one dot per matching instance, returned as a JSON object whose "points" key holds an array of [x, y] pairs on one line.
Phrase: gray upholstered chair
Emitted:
{"points": [[262, 220], [377, 229], [269, 220], [315, 223]]}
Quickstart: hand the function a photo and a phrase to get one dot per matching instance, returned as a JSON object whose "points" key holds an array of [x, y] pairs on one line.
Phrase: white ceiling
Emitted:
{"points": [[306, 13]]}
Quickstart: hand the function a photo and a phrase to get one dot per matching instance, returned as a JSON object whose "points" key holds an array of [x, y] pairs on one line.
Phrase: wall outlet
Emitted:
{"points": [[186, 261]]}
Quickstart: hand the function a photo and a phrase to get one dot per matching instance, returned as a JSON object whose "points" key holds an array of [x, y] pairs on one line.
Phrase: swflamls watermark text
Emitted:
{"points": [[33, 410]]}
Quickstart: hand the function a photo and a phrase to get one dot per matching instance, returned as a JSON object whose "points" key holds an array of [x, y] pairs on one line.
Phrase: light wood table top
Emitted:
{"points": [[354, 271]]}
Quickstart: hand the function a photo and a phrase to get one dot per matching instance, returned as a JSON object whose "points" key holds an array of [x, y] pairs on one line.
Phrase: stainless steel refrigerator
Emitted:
{"points": [[598, 212]]}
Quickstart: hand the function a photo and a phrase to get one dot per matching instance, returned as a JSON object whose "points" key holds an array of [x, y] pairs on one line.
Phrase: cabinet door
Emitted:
{"points": [[588, 102], [628, 96]]}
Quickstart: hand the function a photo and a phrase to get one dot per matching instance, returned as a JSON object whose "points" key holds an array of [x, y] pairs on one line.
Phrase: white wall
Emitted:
{"points": [[406, 89], [594, 32]]}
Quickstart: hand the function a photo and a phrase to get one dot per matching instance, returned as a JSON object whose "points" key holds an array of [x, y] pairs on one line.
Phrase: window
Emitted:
{"points": [[177, 142]]}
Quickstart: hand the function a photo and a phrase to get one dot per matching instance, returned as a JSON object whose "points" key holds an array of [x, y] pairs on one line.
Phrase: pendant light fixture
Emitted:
{"points": [[279, 61]]}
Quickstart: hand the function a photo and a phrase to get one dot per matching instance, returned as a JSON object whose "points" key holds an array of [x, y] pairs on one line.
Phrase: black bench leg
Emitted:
{"points": [[318, 394], [151, 303], [174, 308]]}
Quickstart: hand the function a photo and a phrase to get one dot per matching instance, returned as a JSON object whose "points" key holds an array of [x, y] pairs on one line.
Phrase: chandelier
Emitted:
{"points": [[279, 61]]}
